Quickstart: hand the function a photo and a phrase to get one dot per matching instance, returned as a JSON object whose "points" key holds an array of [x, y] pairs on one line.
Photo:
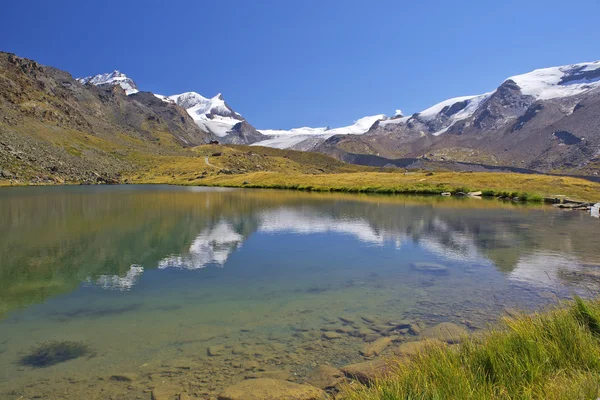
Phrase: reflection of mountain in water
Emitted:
{"points": [[212, 246], [454, 235], [116, 282], [55, 239]]}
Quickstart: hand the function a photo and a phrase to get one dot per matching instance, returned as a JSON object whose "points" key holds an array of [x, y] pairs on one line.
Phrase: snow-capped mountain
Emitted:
{"points": [[541, 119], [112, 78], [212, 115], [540, 84], [307, 138], [544, 119]]}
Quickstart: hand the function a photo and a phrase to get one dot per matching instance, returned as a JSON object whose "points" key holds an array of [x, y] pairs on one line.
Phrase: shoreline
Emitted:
{"points": [[562, 201]]}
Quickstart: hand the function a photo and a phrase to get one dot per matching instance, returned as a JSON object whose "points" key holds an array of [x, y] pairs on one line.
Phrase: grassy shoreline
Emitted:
{"points": [[491, 184], [526, 188], [549, 355]]}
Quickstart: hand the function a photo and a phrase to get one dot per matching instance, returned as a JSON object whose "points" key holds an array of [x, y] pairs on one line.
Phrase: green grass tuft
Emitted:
{"points": [[550, 355]]}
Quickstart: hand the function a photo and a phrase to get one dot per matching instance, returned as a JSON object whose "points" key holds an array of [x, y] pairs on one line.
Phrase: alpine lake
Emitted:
{"points": [[111, 292]]}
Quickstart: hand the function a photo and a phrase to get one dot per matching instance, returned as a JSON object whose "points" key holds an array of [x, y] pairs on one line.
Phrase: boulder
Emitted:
{"points": [[368, 371], [377, 347], [326, 377], [272, 389], [446, 332]]}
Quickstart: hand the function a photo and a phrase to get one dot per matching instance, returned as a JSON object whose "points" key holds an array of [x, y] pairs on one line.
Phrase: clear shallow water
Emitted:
{"points": [[152, 276]]}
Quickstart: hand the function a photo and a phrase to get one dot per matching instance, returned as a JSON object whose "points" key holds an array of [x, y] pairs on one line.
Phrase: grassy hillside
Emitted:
{"points": [[259, 167], [262, 167]]}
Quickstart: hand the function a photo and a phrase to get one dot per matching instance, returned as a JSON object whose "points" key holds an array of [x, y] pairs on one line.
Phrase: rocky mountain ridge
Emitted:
{"points": [[546, 120], [212, 115], [54, 129]]}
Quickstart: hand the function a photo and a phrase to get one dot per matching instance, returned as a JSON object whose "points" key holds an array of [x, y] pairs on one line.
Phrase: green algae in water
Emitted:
{"points": [[54, 352]]}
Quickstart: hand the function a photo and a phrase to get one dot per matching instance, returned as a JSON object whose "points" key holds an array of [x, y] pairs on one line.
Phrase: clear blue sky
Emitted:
{"points": [[284, 63]]}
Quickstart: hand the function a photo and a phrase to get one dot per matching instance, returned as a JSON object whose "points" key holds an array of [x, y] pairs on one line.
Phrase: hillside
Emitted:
{"points": [[53, 129], [57, 130]]}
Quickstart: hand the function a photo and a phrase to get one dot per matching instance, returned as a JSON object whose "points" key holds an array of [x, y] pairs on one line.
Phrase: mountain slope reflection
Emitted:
{"points": [[523, 250], [55, 239], [212, 246]]}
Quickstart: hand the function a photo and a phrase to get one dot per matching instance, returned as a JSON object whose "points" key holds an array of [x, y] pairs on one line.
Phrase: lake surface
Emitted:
{"points": [[151, 277]]}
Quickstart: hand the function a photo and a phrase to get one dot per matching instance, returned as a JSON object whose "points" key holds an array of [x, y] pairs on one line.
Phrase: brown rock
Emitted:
{"points": [[363, 332], [326, 377], [272, 389], [414, 329], [278, 374], [367, 371], [216, 350], [331, 335], [250, 365], [446, 332], [377, 347]]}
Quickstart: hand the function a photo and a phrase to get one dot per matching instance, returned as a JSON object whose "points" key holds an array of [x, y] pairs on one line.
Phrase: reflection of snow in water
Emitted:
{"points": [[543, 268], [295, 221], [435, 236], [116, 282], [211, 246]]}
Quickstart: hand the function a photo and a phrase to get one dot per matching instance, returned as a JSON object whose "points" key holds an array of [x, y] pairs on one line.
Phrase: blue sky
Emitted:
{"points": [[285, 64]]}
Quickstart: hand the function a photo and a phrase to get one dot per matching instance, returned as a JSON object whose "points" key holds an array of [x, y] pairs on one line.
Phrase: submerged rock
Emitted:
{"points": [[127, 377], [347, 320], [414, 329], [326, 377], [446, 332], [277, 374], [331, 335], [273, 389], [377, 347], [368, 371], [432, 268], [216, 350]]}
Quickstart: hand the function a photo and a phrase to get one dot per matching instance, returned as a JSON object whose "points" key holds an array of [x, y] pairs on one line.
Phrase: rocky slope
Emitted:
{"points": [[212, 115], [547, 120], [55, 129]]}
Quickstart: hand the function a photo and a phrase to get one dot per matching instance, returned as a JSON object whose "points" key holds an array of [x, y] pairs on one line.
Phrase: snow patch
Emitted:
{"points": [[545, 83]]}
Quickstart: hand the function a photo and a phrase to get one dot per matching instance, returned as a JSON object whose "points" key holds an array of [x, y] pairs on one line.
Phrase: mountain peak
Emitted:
{"points": [[111, 78], [561, 81]]}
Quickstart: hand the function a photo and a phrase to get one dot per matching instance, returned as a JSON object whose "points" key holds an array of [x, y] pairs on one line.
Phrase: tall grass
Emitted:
{"points": [[550, 355]]}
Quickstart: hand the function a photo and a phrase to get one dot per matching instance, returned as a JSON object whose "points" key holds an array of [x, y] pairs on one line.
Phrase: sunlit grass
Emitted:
{"points": [[549, 355]]}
